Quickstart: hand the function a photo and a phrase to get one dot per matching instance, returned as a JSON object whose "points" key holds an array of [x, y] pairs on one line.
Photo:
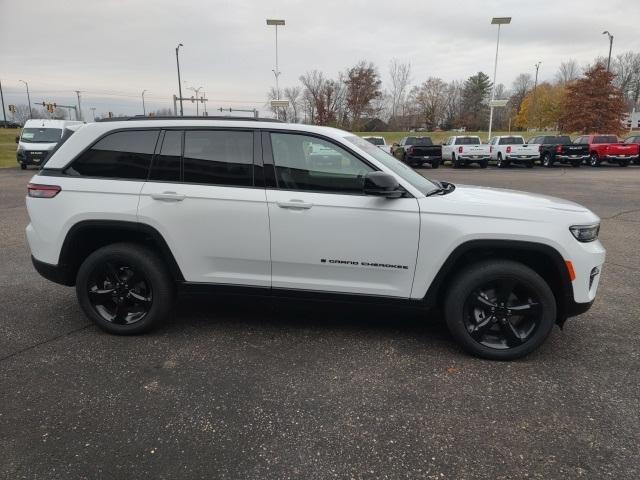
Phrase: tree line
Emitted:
{"points": [[579, 99]]}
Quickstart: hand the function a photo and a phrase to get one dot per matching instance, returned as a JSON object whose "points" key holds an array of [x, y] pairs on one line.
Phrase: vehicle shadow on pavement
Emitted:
{"points": [[278, 314]]}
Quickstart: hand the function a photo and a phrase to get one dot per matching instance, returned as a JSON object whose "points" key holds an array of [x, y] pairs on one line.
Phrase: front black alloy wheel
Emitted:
{"points": [[500, 309], [124, 288]]}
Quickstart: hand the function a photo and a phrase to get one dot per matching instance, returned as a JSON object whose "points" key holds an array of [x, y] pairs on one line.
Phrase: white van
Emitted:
{"points": [[38, 139]]}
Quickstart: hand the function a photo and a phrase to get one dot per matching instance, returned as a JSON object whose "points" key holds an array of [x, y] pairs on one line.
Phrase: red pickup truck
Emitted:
{"points": [[607, 148]]}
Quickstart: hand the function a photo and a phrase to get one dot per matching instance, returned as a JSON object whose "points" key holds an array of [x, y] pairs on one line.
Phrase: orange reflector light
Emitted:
{"points": [[572, 273]]}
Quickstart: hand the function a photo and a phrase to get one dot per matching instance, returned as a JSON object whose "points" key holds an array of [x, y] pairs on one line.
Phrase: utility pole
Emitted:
{"points": [[4, 114], [28, 98], [93, 112], [197, 92], [79, 107], [144, 109], [606, 32], [179, 82], [535, 86]]}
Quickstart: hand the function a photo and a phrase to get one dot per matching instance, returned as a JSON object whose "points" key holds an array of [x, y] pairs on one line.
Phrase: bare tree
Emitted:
{"points": [[453, 105], [567, 72], [363, 87], [519, 89], [626, 68], [400, 74], [430, 101], [293, 94], [313, 83]]}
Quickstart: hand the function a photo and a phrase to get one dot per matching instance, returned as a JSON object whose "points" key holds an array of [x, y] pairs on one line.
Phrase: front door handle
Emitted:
{"points": [[168, 196], [295, 205]]}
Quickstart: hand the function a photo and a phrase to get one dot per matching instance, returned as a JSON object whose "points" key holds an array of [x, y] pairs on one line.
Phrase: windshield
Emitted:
{"points": [[375, 140], [41, 135], [424, 141], [468, 141], [562, 139], [605, 139], [396, 166]]}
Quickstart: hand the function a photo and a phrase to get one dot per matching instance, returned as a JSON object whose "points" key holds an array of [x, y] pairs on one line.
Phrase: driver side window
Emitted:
{"points": [[311, 164]]}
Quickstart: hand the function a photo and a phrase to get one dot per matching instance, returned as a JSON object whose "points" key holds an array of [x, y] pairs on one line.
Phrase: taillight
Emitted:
{"points": [[509, 149], [558, 148], [42, 191], [460, 149]]}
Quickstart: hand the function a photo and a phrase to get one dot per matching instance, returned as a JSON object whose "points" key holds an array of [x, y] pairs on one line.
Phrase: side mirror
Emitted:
{"points": [[382, 184], [17, 139]]}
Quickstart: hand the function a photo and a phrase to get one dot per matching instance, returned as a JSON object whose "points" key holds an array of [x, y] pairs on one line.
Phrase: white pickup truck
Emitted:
{"points": [[463, 150], [510, 149]]}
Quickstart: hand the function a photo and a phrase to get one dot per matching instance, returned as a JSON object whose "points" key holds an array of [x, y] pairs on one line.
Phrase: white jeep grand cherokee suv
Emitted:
{"points": [[132, 211]]}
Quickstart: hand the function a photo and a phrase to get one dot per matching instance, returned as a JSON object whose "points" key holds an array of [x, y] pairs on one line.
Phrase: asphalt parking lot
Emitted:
{"points": [[234, 389]]}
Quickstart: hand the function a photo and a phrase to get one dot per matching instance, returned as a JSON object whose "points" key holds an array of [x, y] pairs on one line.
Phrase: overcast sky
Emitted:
{"points": [[111, 50]]}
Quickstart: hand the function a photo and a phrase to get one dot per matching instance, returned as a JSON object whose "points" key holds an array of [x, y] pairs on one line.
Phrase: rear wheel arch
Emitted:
{"points": [[87, 236], [543, 259]]}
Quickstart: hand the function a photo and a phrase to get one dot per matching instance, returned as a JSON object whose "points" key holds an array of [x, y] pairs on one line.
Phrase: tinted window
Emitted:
{"points": [[417, 141], [166, 165], [375, 140], [605, 139], [562, 139], [467, 141], [511, 141], [218, 157], [119, 155], [309, 163]]}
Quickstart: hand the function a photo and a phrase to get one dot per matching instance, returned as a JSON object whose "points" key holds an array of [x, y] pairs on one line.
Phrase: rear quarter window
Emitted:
{"points": [[125, 155]]}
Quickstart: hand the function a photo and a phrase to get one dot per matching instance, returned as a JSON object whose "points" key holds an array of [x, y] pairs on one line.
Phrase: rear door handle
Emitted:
{"points": [[295, 205], [168, 196]]}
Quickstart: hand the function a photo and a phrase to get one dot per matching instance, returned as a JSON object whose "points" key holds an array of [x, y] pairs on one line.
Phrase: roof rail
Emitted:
{"points": [[141, 117]]}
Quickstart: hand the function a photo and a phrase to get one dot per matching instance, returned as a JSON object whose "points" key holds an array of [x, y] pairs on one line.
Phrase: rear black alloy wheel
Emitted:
{"points": [[500, 309], [546, 160], [124, 288], [119, 293], [594, 161]]}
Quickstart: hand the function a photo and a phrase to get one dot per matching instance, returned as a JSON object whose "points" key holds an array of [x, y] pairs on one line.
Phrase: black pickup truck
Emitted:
{"points": [[416, 151], [559, 149]]}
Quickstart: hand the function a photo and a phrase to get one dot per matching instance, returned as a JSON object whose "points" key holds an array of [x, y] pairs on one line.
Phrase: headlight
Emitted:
{"points": [[585, 233]]}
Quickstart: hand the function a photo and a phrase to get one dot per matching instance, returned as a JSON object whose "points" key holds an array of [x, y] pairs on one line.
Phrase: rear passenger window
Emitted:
{"points": [[166, 165], [125, 155], [218, 157]]}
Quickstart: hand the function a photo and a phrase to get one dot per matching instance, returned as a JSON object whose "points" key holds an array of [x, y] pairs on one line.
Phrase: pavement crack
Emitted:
{"points": [[621, 213], [44, 342]]}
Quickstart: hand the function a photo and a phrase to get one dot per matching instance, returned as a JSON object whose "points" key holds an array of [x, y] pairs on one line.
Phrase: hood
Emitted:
{"points": [[503, 203]]}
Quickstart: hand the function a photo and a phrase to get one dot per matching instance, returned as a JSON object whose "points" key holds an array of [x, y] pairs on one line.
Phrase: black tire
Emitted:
{"points": [[104, 290], [478, 329], [23, 166], [594, 161], [484, 164], [499, 162], [547, 161], [455, 163], [435, 164]]}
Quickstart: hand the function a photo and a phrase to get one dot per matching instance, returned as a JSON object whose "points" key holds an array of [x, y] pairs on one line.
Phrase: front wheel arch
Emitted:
{"points": [[543, 259]]}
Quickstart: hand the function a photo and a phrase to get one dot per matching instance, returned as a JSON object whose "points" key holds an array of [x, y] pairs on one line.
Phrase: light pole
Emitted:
{"points": [[93, 112], [606, 32], [179, 82], [276, 23], [79, 111], [496, 21], [535, 87], [28, 97], [144, 109]]}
